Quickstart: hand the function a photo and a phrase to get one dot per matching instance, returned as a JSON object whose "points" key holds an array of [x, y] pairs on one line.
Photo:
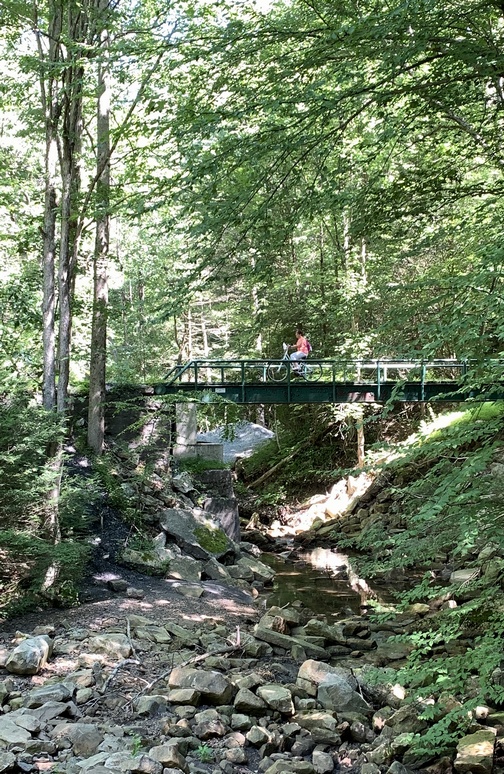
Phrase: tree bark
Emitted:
{"points": [[51, 109], [359, 424], [97, 369], [73, 78]]}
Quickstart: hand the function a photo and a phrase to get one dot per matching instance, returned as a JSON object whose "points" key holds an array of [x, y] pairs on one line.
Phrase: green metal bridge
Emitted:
{"points": [[323, 381]]}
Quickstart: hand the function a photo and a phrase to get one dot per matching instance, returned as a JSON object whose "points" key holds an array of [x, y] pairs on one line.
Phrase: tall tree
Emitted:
{"points": [[97, 368]]}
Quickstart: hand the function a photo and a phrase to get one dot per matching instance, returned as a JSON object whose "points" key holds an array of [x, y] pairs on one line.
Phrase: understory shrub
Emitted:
{"points": [[448, 487], [43, 515]]}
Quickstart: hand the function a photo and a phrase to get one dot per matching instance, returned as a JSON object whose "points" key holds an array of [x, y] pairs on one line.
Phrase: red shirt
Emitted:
{"points": [[302, 346]]}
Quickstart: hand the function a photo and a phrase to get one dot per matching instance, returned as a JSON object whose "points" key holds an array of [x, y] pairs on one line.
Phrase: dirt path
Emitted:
{"points": [[161, 602]]}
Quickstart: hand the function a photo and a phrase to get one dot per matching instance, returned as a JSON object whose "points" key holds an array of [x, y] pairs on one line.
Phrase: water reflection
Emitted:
{"points": [[323, 581]]}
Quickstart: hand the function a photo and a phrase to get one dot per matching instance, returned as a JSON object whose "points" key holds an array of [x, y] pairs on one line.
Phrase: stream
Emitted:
{"points": [[323, 581]]}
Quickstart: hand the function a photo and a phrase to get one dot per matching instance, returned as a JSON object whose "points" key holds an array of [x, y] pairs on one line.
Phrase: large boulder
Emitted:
{"points": [[312, 673], [30, 656], [213, 687], [85, 738], [278, 697], [11, 734], [475, 752], [225, 510], [335, 693], [195, 532]]}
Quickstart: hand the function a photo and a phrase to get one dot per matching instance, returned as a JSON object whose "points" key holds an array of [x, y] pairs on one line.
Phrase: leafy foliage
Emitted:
{"points": [[27, 433], [446, 486]]}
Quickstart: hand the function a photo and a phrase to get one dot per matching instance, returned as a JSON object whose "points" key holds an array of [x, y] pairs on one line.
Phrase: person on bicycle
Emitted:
{"points": [[301, 352]]}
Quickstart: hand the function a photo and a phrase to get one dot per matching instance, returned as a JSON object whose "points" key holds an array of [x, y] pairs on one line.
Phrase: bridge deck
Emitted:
{"points": [[248, 381], [319, 392]]}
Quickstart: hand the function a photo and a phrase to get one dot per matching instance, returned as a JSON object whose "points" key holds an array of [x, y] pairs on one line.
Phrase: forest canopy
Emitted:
{"points": [[196, 178]]}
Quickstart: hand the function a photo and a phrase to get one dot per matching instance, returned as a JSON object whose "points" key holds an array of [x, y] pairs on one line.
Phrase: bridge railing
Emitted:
{"points": [[359, 371]]}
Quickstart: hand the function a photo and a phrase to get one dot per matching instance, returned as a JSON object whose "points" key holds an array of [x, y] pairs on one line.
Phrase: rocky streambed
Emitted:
{"points": [[192, 669], [277, 691]]}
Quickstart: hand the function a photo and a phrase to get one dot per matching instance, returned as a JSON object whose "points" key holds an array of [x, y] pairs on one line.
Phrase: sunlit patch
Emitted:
{"points": [[61, 667]]}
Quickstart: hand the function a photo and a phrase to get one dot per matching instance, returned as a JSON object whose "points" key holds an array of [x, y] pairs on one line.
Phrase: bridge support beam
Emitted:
{"points": [[186, 433]]}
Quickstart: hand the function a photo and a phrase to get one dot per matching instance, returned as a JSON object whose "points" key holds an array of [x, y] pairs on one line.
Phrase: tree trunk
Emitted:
{"points": [[97, 369], [72, 94], [50, 106], [359, 424]]}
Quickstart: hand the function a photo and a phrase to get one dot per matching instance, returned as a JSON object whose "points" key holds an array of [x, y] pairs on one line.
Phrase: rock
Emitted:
{"points": [[84, 737], [26, 719], [287, 642], [397, 768], [30, 656], [391, 650], [323, 763], [7, 761], [257, 736], [155, 561], [312, 720], [6, 687], [240, 722], [475, 752], [115, 645], [316, 628], [218, 483], [290, 767], [312, 673], [195, 532], [186, 636], [260, 570], [370, 768], [144, 764], [190, 590], [213, 687], [56, 692], [213, 570], [184, 568], [209, 729], [225, 511], [382, 755], [406, 720], [277, 697], [418, 608], [148, 705], [52, 710], [133, 764], [169, 756], [248, 703], [459, 577], [335, 693], [152, 633], [187, 696], [182, 482], [11, 733]]}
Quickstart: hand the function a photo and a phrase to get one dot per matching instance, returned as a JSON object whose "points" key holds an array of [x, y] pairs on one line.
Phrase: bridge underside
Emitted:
{"points": [[321, 392]]}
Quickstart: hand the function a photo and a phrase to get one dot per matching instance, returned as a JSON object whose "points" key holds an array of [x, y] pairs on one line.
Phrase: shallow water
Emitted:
{"points": [[323, 581]]}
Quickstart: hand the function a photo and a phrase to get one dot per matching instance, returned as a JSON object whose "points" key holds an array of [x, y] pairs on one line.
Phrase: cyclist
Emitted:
{"points": [[301, 352]]}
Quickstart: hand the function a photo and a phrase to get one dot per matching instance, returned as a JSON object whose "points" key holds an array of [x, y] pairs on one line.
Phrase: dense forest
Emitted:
{"points": [[197, 178], [185, 179]]}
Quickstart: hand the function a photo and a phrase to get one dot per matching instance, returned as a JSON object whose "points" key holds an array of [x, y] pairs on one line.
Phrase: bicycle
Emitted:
{"points": [[279, 371]]}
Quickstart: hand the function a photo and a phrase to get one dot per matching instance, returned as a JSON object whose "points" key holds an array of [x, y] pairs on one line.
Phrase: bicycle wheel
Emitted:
{"points": [[312, 373], [277, 373]]}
